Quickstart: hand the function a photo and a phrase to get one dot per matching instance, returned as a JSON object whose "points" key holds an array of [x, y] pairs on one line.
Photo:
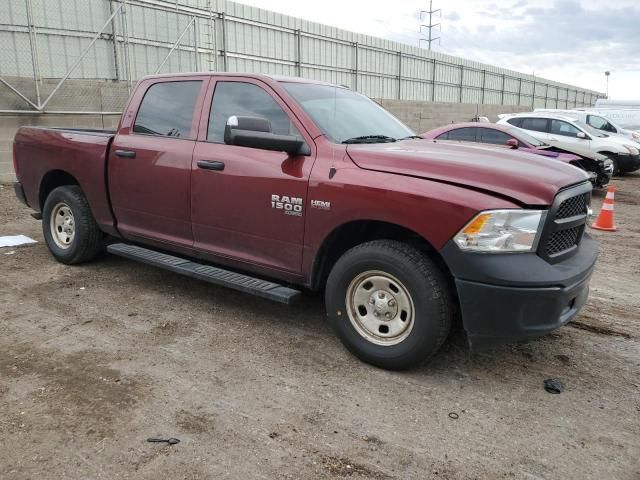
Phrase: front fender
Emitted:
{"points": [[433, 210]]}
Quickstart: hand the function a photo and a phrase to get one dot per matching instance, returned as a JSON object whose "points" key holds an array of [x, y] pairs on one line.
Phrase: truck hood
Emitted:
{"points": [[529, 179]]}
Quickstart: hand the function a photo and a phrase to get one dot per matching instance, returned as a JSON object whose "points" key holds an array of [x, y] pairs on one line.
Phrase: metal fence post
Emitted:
{"points": [[33, 44], [546, 95], [399, 75], [461, 82], [125, 35], [298, 35], [223, 18], [196, 31], [433, 81], [519, 90], [502, 90], [355, 80], [484, 82], [533, 94], [114, 35]]}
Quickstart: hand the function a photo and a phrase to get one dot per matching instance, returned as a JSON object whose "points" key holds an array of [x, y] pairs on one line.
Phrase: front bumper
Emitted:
{"points": [[509, 297], [627, 163]]}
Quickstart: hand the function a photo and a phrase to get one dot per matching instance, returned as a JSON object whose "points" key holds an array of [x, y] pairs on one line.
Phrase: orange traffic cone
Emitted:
{"points": [[605, 218]]}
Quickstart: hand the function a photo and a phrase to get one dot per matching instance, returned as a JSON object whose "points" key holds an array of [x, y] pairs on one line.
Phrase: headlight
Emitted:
{"points": [[500, 231], [631, 149]]}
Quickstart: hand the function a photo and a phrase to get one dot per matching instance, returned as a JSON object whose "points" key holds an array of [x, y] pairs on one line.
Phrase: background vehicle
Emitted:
{"points": [[575, 136], [314, 185], [624, 113], [597, 121], [600, 170]]}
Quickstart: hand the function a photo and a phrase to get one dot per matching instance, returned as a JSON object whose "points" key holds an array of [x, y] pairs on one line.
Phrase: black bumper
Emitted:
{"points": [[19, 191], [509, 297], [627, 163]]}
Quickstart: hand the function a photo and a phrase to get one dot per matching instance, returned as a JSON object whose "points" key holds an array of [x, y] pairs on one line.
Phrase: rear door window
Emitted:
{"points": [[167, 109], [496, 137], [466, 134], [516, 122], [535, 124], [558, 127]]}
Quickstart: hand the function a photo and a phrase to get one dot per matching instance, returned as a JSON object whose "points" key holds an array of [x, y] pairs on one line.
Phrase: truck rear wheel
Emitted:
{"points": [[389, 304], [69, 229]]}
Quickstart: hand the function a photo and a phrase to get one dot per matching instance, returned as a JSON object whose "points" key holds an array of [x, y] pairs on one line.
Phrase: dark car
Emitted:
{"points": [[600, 171]]}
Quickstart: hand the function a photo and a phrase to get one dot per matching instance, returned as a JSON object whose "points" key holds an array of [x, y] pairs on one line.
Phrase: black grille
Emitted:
{"points": [[573, 206], [565, 223], [563, 240]]}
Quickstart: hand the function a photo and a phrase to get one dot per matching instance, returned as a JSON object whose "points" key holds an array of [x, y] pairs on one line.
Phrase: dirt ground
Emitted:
{"points": [[96, 358]]}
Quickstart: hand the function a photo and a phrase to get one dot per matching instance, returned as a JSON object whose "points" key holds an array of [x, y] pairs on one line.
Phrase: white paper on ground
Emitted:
{"points": [[15, 240]]}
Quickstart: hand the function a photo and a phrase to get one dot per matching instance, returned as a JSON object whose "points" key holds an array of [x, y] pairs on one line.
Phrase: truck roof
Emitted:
{"points": [[257, 76]]}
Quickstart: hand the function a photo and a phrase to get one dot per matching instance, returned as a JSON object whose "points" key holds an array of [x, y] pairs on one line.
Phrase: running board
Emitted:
{"points": [[215, 275]]}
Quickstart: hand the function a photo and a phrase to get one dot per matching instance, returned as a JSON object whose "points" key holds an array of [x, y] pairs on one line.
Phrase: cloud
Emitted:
{"points": [[452, 16], [570, 41]]}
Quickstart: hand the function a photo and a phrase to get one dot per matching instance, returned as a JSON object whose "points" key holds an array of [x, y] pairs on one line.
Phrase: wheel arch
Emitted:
{"points": [[51, 180], [355, 232]]}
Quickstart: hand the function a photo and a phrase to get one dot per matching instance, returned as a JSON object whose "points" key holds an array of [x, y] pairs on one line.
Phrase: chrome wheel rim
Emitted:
{"points": [[62, 224], [380, 308]]}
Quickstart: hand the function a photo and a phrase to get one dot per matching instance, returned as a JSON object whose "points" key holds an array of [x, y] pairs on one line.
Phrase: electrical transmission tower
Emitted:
{"points": [[430, 26]]}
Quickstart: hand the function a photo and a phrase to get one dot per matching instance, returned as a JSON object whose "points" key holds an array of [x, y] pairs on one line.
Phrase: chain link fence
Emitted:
{"points": [[83, 56]]}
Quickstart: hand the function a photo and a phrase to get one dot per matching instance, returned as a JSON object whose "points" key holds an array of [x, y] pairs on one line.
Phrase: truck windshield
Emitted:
{"points": [[346, 116]]}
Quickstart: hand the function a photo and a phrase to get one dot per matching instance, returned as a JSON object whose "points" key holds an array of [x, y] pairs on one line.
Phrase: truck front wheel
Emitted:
{"points": [[69, 229], [389, 304]]}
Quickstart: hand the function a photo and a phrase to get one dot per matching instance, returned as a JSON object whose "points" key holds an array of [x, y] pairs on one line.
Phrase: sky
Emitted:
{"points": [[570, 41]]}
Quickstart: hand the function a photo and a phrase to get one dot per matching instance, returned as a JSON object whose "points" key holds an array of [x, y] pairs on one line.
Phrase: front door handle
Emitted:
{"points": [[125, 154], [210, 165]]}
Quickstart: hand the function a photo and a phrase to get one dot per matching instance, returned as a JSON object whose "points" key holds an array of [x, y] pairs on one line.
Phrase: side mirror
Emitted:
{"points": [[581, 135], [512, 143], [255, 132]]}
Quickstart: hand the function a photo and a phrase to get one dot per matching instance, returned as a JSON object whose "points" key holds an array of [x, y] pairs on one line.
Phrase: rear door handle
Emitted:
{"points": [[125, 154], [210, 165]]}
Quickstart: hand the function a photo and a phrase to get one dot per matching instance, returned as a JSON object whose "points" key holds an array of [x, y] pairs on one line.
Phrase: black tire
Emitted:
{"points": [[616, 168], [428, 291], [87, 240]]}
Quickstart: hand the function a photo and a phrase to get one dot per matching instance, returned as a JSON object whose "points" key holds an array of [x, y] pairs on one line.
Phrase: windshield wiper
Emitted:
{"points": [[370, 139], [410, 137]]}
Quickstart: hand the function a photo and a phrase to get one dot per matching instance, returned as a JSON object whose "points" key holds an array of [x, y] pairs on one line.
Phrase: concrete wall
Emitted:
{"points": [[424, 116]]}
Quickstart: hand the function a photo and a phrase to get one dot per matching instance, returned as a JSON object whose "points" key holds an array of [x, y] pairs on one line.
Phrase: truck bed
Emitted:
{"points": [[42, 153]]}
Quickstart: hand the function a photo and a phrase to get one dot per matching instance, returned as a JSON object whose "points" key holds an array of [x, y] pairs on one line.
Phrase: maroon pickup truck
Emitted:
{"points": [[269, 185]]}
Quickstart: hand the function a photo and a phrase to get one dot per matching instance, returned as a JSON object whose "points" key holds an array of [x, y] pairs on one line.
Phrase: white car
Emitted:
{"points": [[567, 133], [627, 116], [597, 121]]}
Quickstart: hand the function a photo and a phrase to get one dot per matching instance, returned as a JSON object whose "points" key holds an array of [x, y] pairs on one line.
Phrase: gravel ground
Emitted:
{"points": [[96, 358]]}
